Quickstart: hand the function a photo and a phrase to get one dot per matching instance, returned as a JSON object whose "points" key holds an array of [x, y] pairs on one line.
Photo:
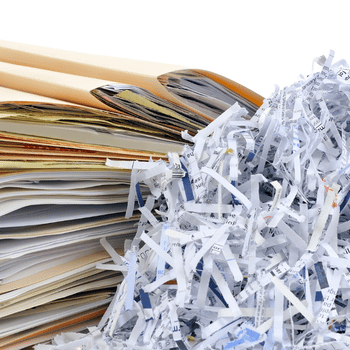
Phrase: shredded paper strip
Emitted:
{"points": [[244, 242]]}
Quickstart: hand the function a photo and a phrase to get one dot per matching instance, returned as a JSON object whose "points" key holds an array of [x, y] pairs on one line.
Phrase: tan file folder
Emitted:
{"points": [[147, 75]]}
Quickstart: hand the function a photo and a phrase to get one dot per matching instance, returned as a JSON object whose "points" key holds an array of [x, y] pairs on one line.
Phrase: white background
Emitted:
{"points": [[256, 43]]}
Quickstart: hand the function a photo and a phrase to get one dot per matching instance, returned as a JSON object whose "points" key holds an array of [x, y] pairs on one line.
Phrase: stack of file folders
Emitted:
{"points": [[62, 114]]}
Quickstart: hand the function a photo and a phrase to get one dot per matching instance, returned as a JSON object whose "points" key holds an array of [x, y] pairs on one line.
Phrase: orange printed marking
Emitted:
{"points": [[171, 282]]}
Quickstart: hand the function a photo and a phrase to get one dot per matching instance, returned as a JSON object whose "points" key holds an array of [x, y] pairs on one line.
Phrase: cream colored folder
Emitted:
{"points": [[59, 86], [147, 75], [14, 96]]}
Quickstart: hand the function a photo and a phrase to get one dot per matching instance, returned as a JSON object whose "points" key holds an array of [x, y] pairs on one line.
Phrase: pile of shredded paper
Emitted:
{"points": [[245, 240]]}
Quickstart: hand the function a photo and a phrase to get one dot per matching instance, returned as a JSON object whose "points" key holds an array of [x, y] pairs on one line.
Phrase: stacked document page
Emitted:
{"points": [[62, 115]]}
